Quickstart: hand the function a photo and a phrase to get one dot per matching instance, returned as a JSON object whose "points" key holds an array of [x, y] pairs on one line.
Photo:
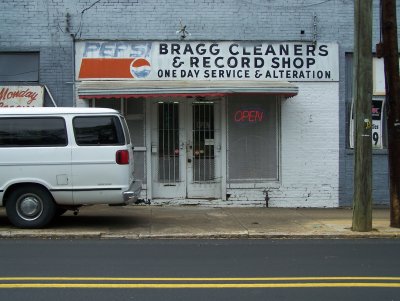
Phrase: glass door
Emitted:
{"points": [[203, 151], [186, 147]]}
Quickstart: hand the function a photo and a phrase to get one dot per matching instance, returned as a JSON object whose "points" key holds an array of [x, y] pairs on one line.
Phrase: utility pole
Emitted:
{"points": [[392, 83], [362, 199]]}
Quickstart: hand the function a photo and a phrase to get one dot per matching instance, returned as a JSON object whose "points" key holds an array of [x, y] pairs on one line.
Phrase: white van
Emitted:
{"points": [[58, 159]]}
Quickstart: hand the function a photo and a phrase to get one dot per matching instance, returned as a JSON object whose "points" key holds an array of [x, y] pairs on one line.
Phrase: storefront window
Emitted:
{"points": [[252, 138]]}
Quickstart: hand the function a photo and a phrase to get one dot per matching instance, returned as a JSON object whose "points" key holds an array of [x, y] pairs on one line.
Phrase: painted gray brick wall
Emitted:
{"points": [[43, 25]]}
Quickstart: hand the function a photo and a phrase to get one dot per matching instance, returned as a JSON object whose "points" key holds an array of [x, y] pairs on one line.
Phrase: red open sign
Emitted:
{"points": [[249, 116]]}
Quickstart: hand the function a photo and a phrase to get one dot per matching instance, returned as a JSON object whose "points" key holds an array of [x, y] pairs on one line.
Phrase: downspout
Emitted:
{"points": [[72, 35], [73, 71]]}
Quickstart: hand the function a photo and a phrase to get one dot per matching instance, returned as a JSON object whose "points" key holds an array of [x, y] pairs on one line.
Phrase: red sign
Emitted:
{"points": [[249, 116]]}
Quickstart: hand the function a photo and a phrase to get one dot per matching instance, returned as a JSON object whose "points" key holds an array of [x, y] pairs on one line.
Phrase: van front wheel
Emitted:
{"points": [[30, 207]]}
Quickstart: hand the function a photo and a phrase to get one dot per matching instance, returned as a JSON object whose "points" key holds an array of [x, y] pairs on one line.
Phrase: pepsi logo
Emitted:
{"points": [[140, 68]]}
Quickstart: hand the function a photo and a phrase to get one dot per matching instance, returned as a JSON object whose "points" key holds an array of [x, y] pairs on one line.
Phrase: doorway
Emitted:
{"points": [[186, 148]]}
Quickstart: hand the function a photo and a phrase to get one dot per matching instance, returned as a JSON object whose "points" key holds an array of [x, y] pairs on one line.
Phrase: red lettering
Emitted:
{"points": [[238, 116], [260, 116], [249, 116], [6, 94], [375, 110]]}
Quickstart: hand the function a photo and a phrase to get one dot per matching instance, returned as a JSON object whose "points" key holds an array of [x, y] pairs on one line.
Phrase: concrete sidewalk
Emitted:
{"points": [[156, 222]]}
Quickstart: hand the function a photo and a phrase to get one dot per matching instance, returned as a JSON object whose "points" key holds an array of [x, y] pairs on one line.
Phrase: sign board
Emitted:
{"points": [[377, 123], [207, 60], [378, 74], [21, 96]]}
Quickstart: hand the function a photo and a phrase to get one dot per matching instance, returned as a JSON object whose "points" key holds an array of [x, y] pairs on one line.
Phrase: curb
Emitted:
{"points": [[191, 236]]}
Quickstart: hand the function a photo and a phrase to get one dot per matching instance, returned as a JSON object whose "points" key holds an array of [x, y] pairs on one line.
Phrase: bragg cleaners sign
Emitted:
{"points": [[21, 96], [128, 60]]}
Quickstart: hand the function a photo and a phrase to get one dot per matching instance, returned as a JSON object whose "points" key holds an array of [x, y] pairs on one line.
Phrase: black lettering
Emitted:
{"points": [[284, 49], [245, 62], [323, 50], [257, 50], [245, 51], [175, 49], [232, 62], [310, 61], [194, 61], [275, 62], [298, 50], [285, 62], [206, 62], [200, 49], [219, 65], [258, 62], [214, 50], [188, 49], [163, 48], [270, 50], [298, 63], [231, 49], [176, 62], [311, 50]]}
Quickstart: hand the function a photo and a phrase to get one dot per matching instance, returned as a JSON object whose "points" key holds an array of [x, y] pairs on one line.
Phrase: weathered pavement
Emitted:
{"points": [[194, 222]]}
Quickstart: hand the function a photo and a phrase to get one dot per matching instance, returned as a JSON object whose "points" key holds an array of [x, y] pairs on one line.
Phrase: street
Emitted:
{"points": [[199, 269]]}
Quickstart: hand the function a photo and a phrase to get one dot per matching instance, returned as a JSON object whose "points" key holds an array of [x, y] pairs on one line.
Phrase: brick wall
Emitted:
{"points": [[43, 25]]}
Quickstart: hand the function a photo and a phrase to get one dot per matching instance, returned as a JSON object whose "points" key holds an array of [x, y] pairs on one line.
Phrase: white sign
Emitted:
{"points": [[377, 122], [267, 61], [21, 96], [378, 71]]}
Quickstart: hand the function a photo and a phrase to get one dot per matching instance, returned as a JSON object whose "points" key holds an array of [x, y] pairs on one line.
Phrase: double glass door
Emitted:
{"points": [[186, 148]]}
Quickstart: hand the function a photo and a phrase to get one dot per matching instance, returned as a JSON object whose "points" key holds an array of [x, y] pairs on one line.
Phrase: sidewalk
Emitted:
{"points": [[156, 222]]}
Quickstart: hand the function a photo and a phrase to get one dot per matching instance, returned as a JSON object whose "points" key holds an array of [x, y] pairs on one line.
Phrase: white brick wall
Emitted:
{"points": [[310, 148], [309, 153]]}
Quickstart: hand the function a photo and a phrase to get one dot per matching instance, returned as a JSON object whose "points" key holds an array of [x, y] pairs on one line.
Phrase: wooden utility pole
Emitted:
{"points": [[362, 199], [392, 81]]}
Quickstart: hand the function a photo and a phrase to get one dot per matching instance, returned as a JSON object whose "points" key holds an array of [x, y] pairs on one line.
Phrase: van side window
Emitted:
{"points": [[98, 130], [33, 132]]}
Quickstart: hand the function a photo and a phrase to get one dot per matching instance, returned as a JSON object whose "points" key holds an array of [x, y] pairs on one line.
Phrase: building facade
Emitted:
{"points": [[243, 103]]}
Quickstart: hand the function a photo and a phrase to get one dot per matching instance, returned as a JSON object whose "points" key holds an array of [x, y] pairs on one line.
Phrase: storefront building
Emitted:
{"points": [[229, 103], [217, 122]]}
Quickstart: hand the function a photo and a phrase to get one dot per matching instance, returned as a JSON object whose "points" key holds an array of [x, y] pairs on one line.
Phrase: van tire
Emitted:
{"points": [[30, 206]]}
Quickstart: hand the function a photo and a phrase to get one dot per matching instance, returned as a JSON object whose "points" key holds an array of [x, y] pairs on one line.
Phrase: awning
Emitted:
{"points": [[140, 88]]}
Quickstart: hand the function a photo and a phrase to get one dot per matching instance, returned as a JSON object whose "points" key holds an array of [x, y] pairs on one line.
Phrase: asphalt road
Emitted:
{"points": [[200, 270]]}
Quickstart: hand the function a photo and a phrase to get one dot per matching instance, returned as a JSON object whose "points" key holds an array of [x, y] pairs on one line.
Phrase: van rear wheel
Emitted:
{"points": [[30, 207]]}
